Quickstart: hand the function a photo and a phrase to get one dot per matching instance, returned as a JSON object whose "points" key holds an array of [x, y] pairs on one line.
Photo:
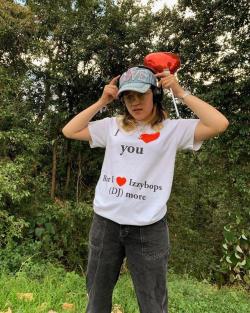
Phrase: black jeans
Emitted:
{"points": [[146, 249]]}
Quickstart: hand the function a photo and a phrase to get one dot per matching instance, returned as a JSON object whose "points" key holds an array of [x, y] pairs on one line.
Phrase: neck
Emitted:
{"points": [[148, 119]]}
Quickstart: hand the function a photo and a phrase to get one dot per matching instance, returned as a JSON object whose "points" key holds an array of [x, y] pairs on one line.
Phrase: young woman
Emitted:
{"points": [[135, 183]]}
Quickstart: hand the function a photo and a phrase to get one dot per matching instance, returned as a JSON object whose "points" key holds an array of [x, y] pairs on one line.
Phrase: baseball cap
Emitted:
{"points": [[137, 79]]}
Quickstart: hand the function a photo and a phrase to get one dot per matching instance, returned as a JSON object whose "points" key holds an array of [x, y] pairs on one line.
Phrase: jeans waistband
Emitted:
{"points": [[163, 219]]}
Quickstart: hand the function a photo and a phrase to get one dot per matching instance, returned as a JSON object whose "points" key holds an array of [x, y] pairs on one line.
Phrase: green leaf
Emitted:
{"points": [[39, 231], [50, 228], [243, 237], [229, 236], [246, 279], [231, 278], [237, 255], [241, 263], [238, 276], [238, 220], [225, 246], [226, 229], [248, 263], [228, 260], [238, 248]]}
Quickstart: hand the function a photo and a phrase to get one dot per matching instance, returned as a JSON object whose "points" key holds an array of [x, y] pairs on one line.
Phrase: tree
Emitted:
{"points": [[56, 56], [212, 39]]}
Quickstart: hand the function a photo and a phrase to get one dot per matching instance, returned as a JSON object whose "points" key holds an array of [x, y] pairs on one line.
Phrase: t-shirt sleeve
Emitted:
{"points": [[185, 135], [99, 132]]}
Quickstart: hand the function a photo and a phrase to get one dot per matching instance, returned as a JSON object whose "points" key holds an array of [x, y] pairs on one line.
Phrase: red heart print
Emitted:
{"points": [[121, 180], [149, 137]]}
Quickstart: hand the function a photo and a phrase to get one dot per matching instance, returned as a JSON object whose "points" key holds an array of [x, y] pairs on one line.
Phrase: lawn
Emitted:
{"points": [[46, 288]]}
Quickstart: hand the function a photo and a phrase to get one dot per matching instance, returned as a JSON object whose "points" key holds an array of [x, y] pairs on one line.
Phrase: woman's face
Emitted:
{"points": [[139, 105]]}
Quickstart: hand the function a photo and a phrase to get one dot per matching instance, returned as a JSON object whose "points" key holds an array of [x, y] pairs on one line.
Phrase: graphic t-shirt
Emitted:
{"points": [[138, 168]]}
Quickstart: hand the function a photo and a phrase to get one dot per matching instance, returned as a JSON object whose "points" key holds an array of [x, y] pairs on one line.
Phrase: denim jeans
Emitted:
{"points": [[146, 249]]}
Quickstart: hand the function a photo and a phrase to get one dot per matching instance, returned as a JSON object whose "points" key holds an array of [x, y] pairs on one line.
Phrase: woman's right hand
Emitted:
{"points": [[110, 91]]}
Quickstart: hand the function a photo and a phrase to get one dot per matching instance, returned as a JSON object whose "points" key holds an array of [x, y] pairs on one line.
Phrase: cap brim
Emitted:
{"points": [[139, 87]]}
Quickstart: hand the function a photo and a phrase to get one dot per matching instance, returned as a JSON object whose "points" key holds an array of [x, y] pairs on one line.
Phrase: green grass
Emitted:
{"points": [[51, 287]]}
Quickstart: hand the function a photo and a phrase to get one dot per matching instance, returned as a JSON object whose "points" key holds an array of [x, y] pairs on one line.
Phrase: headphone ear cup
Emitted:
{"points": [[157, 95]]}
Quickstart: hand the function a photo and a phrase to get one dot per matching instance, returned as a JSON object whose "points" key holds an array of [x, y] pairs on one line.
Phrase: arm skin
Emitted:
{"points": [[211, 123], [77, 128]]}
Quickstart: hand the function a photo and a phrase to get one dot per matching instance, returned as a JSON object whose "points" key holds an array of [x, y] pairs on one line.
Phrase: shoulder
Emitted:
{"points": [[180, 121], [180, 126], [102, 121], [169, 123]]}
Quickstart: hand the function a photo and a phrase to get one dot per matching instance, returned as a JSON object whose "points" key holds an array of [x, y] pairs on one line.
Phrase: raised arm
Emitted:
{"points": [[211, 123], [77, 128]]}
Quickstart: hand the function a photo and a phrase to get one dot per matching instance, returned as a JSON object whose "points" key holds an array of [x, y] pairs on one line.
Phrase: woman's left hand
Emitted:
{"points": [[168, 81]]}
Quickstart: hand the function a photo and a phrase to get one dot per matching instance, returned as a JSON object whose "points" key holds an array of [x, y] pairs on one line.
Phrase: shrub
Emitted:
{"points": [[234, 265], [62, 229]]}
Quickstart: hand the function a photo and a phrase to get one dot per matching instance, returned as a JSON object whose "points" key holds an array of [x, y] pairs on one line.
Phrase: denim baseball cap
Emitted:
{"points": [[137, 79]]}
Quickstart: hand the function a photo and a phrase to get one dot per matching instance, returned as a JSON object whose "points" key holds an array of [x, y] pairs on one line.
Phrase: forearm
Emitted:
{"points": [[211, 118], [81, 120], [208, 115]]}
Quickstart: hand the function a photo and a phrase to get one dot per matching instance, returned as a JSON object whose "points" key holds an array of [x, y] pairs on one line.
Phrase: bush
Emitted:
{"points": [[234, 265], [62, 229], [58, 232], [15, 248]]}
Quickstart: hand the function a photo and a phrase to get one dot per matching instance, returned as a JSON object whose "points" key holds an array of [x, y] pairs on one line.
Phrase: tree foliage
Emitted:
{"points": [[55, 58]]}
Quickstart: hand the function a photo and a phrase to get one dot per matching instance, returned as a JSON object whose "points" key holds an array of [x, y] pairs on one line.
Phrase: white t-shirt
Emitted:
{"points": [[138, 168]]}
